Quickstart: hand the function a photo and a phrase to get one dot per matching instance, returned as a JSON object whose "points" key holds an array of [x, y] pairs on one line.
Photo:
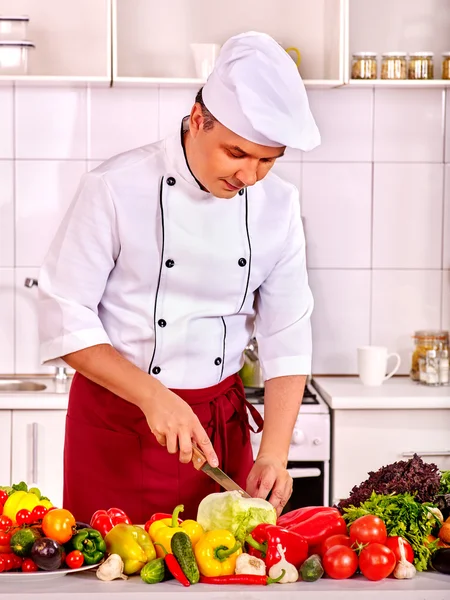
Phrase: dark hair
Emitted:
{"points": [[208, 118]]}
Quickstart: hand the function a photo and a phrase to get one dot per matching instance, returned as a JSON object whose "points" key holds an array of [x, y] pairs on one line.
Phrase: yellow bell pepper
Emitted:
{"points": [[162, 531], [216, 553], [20, 500], [132, 544]]}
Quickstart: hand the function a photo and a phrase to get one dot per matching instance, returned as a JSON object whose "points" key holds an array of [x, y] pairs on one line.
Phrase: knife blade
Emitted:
{"points": [[201, 464]]}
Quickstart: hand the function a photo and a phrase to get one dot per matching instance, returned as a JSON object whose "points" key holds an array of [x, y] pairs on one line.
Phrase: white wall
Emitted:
{"points": [[375, 199]]}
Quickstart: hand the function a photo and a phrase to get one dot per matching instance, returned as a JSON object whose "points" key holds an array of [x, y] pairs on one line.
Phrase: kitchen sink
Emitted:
{"points": [[20, 385]]}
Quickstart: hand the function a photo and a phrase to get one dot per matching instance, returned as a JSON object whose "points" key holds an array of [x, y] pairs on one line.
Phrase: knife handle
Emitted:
{"points": [[198, 458]]}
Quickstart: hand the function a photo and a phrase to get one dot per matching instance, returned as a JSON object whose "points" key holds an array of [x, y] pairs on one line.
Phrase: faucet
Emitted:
{"points": [[61, 374], [30, 282]]}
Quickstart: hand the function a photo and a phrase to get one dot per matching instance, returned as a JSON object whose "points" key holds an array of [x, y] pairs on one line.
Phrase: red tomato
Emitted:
{"points": [[340, 562], [59, 525], [5, 538], [392, 544], [3, 497], [38, 513], [74, 560], [2, 564], [5, 523], [23, 517], [28, 566], [12, 562], [335, 540], [368, 529], [376, 562]]}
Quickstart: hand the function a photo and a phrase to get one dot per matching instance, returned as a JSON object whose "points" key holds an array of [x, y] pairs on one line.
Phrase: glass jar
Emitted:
{"points": [[421, 65], [427, 341], [393, 65], [364, 65], [446, 65]]}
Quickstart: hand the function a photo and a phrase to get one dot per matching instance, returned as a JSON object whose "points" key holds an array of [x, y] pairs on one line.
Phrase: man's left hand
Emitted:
{"points": [[270, 474]]}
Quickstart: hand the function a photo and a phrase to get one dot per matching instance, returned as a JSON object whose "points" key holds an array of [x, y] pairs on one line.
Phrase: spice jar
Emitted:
{"points": [[426, 342], [364, 65], [393, 65], [421, 65], [446, 65]]}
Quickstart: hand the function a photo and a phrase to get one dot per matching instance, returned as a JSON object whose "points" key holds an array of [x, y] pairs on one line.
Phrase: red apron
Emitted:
{"points": [[111, 458]]}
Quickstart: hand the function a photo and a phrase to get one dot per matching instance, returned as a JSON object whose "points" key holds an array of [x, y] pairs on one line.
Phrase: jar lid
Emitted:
{"points": [[446, 54], [428, 334], [421, 54], [22, 18], [364, 54], [400, 54]]}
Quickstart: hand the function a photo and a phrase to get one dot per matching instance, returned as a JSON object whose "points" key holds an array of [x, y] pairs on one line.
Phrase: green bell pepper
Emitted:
{"points": [[91, 545]]}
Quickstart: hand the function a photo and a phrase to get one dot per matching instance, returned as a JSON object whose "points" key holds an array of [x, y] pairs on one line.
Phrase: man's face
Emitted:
{"points": [[224, 162]]}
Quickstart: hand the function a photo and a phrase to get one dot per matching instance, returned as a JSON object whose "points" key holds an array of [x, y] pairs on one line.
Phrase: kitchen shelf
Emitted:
{"points": [[151, 39], [404, 83], [400, 25], [72, 38]]}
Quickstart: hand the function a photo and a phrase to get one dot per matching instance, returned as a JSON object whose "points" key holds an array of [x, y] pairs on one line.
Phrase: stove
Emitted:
{"points": [[311, 403]]}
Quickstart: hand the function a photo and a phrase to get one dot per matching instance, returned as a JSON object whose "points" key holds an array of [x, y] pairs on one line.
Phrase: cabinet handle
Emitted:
{"points": [[427, 453], [34, 463], [303, 473]]}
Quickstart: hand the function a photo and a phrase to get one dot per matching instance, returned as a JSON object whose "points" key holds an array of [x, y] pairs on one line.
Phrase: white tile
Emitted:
{"points": [[6, 214], [403, 302], [345, 121], [44, 190], [446, 251], [340, 320], [122, 119], [409, 125], [26, 325], [446, 300], [336, 207], [407, 221], [289, 171], [6, 122], [93, 164], [447, 133], [174, 104], [6, 321], [51, 123]]}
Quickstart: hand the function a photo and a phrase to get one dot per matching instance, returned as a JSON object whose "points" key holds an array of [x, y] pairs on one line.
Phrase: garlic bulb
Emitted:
{"points": [[249, 565], [404, 569], [291, 573], [111, 569]]}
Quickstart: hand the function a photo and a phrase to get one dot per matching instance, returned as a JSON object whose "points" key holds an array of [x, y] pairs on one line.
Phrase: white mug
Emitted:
{"points": [[205, 56], [372, 364]]}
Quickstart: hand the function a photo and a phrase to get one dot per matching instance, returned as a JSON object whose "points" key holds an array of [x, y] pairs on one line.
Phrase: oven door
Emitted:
{"points": [[310, 484]]}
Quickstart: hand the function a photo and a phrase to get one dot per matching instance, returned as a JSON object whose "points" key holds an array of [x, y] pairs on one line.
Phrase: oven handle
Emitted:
{"points": [[304, 473], [427, 453]]}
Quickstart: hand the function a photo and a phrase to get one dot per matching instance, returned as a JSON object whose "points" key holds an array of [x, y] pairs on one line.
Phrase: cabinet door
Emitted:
{"points": [[5, 447], [37, 450], [365, 440]]}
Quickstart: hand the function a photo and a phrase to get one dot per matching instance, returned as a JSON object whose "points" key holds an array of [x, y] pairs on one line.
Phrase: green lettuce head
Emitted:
{"points": [[229, 510]]}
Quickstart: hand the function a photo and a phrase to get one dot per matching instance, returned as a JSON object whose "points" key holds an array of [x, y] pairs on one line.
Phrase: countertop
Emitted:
{"points": [[348, 393], [85, 586]]}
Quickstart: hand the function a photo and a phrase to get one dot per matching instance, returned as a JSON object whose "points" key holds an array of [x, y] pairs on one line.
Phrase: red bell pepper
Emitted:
{"points": [[263, 543], [301, 514], [105, 520], [320, 526]]}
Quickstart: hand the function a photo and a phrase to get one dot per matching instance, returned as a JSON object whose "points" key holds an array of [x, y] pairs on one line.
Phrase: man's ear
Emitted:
{"points": [[196, 120]]}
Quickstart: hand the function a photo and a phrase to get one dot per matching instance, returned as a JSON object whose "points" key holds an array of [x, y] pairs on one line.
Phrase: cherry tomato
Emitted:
{"points": [[74, 560], [340, 562], [3, 497], [376, 562], [12, 562], [392, 544], [2, 564], [38, 513], [29, 566], [368, 529], [59, 525], [335, 540], [23, 517], [17, 562], [5, 523]]}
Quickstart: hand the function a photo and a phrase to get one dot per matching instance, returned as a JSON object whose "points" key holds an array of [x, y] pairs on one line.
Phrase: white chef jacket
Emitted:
{"points": [[174, 278]]}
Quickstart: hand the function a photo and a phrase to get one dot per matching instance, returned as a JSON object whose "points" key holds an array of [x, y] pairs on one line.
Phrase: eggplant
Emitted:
{"points": [[442, 501], [47, 554], [441, 560], [80, 525]]}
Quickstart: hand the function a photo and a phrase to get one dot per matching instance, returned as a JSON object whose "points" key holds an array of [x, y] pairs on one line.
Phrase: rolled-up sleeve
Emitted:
{"points": [[284, 307], [73, 277]]}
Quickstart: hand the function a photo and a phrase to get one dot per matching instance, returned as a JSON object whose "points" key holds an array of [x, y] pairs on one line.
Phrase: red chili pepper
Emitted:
{"points": [[265, 538], [319, 527], [158, 517], [242, 579], [174, 567], [301, 514], [105, 520]]}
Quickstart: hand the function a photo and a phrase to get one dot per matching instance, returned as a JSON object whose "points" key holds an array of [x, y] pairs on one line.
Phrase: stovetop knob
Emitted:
{"points": [[298, 437], [317, 441]]}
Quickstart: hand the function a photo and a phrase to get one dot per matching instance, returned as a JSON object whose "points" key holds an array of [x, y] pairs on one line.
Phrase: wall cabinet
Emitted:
{"points": [[5, 447]]}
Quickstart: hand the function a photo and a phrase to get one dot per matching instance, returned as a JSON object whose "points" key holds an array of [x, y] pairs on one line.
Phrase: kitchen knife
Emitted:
{"points": [[200, 463]]}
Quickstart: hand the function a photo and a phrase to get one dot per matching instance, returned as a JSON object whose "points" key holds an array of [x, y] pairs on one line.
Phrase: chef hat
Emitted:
{"points": [[256, 91]]}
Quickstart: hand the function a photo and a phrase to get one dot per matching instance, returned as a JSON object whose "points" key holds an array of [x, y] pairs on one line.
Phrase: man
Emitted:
{"points": [[168, 258]]}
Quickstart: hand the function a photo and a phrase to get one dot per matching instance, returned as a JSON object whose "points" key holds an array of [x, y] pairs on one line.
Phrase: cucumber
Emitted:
{"points": [[311, 569], [182, 550], [153, 571]]}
